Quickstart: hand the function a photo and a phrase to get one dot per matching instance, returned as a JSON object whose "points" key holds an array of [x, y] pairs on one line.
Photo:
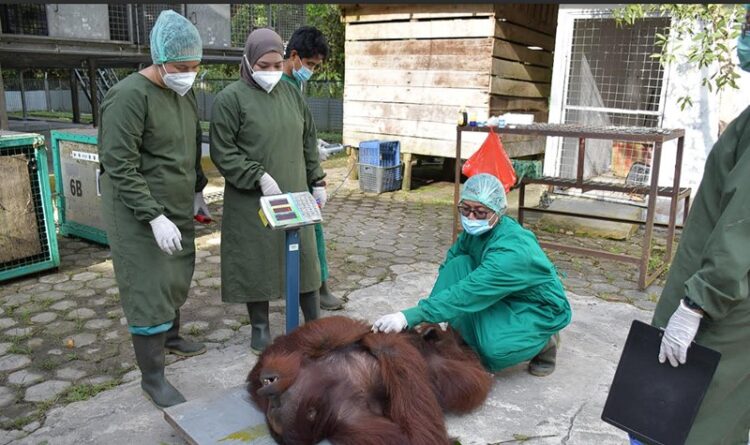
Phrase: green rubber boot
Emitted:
{"points": [[179, 346], [149, 354], [260, 336], [544, 363], [309, 302], [328, 301]]}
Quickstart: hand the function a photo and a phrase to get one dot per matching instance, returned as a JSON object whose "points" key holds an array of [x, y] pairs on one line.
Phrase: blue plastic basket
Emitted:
{"points": [[380, 153]]}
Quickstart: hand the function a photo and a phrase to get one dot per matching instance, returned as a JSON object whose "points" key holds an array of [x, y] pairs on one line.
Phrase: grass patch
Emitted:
{"points": [[79, 323], [79, 393], [48, 364], [64, 116], [24, 317], [16, 348], [195, 330], [10, 310], [21, 422]]}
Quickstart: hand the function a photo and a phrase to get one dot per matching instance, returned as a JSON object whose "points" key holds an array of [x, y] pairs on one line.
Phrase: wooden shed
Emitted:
{"points": [[410, 68]]}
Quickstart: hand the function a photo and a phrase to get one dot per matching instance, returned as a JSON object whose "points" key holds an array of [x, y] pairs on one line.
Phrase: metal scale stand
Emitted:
{"points": [[229, 417]]}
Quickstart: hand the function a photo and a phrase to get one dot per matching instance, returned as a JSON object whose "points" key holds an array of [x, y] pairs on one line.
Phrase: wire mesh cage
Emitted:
{"points": [[612, 80], [119, 21], [147, 13], [282, 18], [27, 241], [29, 19]]}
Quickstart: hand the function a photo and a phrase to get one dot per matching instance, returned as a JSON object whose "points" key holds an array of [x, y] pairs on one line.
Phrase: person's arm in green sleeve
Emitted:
{"points": [[310, 145], [240, 171], [122, 124], [502, 273], [721, 282], [200, 177]]}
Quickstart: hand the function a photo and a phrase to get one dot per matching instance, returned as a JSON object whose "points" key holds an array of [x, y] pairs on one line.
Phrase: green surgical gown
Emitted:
{"points": [[149, 148], [712, 267], [501, 292], [254, 132]]}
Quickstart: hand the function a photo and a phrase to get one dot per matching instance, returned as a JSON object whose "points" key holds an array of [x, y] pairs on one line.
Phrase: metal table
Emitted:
{"points": [[657, 136]]}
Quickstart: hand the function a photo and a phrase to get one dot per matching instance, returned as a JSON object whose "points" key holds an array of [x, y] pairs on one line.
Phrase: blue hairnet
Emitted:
{"points": [[174, 39], [486, 189]]}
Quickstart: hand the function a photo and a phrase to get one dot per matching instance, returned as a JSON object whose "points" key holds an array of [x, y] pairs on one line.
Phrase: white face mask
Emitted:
{"points": [[265, 79], [180, 83]]}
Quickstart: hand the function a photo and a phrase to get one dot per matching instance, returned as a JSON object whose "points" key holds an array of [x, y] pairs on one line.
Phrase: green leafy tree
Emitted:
{"points": [[703, 35], [327, 18]]}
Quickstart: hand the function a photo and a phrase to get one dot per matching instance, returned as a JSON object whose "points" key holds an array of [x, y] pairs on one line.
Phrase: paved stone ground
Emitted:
{"points": [[63, 337]]}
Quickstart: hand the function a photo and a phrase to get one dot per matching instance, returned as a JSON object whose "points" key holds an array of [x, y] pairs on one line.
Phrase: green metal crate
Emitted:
{"points": [[76, 163], [28, 242]]}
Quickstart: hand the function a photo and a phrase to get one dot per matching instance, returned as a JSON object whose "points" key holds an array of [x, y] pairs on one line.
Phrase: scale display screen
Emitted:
{"points": [[290, 210]]}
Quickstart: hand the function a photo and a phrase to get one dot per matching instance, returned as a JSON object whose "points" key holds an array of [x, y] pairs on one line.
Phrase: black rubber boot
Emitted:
{"points": [[178, 345], [309, 302], [149, 353], [261, 328], [328, 301], [544, 363]]}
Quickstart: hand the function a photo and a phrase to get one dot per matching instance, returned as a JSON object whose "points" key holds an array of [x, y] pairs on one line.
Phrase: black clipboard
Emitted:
{"points": [[654, 402]]}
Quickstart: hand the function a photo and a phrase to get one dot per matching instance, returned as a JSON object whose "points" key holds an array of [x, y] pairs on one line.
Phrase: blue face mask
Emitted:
{"points": [[475, 226], [303, 74]]}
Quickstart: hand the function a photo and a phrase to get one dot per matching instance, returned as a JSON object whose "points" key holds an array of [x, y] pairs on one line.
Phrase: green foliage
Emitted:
{"points": [[703, 35], [327, 18], [245, 18], [82, 392]]}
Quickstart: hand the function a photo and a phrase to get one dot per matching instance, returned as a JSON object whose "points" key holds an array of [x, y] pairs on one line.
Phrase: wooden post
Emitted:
{"points": [[406, 184], [351, 162], [74, 97], [93, 93], [3, 109]]}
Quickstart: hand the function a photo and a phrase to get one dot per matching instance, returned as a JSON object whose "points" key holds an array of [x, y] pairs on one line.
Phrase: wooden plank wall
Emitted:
{"points": [[522, 66], [409, 68]]}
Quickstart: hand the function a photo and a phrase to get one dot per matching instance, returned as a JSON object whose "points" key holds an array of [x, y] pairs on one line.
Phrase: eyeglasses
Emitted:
{"points": [[478, 213]]}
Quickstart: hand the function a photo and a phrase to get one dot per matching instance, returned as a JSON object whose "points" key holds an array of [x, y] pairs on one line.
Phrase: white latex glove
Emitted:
{"points": [[395, 322], [167, 235], [320, 195], [200, 206], [680, 332], [268, 185]]}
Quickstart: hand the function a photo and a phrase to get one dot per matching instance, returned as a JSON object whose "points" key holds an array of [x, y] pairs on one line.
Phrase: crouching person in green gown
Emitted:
{"points": [[306, 50], [496, 287], [263, 141], [149, 149]]}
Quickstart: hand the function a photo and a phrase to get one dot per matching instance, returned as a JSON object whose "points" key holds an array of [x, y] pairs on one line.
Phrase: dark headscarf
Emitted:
{"points": [[259, 42]]}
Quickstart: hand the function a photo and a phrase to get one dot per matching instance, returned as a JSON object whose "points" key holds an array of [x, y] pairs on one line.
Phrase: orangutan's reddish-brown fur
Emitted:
{"points": [[334, 379]]}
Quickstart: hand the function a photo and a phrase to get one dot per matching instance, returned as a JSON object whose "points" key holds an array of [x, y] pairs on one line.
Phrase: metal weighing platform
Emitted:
{"points": [[228, 417]]}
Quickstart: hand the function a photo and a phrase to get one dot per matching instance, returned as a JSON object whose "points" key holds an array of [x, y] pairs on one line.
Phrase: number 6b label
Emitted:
{"points": [[75, 187]]}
